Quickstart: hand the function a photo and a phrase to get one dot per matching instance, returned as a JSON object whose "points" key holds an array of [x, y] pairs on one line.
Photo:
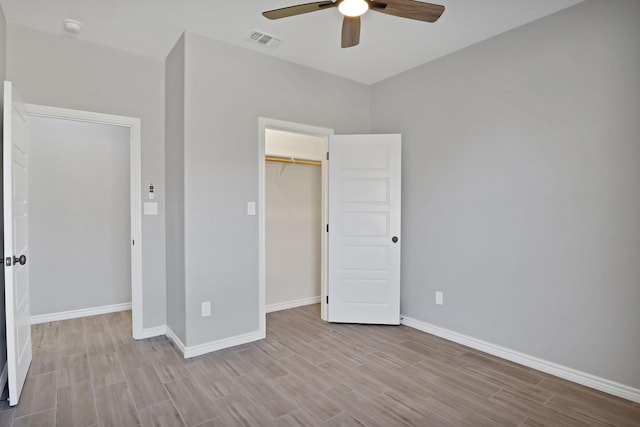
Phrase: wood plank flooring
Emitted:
{"points": [[89, 372]]}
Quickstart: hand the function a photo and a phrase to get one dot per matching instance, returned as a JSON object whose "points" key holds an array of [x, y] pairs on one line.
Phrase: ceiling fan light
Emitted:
{"points": [[353, 7]]}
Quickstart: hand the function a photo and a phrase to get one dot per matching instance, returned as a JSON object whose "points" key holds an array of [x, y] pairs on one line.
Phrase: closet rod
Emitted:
{"points": [[298, 162]]}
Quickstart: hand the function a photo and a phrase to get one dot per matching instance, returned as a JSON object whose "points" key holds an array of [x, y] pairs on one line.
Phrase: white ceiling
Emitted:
{"points": [[388, 45]]}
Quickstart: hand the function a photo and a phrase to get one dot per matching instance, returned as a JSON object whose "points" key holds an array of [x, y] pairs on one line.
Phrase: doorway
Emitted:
{"points": [[127, 260], [293, 218], [78, 211], [286, 153], [365, 213]]}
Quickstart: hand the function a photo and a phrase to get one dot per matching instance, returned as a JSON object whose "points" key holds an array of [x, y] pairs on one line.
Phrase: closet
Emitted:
{"points": [[293, 218]]}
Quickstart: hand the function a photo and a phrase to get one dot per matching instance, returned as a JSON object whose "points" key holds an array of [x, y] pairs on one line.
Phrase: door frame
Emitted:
{"points": [[135, 179], [264, 124]]}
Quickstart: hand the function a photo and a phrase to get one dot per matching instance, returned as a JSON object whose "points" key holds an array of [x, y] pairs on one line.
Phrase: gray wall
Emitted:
{"points": [[227, 90], [3, 68], [293, 229], [520, 188], [174, 173], [520, 175], [79, 215], [65, 72]]}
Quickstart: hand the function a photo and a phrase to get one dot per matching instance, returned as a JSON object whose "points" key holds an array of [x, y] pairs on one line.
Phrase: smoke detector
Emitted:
{"points": [[73, 26]]}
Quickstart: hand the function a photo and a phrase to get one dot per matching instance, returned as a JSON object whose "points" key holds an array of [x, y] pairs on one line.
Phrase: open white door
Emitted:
{"points": [[364, 229], [16, 272]]}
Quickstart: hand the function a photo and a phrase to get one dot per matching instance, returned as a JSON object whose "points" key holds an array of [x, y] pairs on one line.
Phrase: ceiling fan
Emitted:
{"points": [[353, 9]]}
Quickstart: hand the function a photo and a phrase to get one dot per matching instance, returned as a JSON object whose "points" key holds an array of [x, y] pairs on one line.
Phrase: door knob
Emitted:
{"points": [[394, 239], [22, 260]]}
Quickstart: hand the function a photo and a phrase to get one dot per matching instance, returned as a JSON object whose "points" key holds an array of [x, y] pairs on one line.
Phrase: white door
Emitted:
{"points": [[364, 229], [16, 271]]}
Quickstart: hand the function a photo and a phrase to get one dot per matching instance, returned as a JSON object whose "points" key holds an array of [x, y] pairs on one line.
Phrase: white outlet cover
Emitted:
{"points": [[206, 308], [439, 298]]}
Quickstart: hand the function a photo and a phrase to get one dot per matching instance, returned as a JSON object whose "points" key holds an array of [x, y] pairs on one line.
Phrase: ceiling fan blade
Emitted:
{"points": [[411, 9], [350, 31], [298, 9]]}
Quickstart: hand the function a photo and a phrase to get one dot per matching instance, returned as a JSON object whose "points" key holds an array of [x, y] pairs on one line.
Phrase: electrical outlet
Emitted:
{"points": [[206, 309], [439, 298]]}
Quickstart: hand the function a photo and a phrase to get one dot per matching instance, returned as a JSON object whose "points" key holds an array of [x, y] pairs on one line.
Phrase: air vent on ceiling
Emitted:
{"points": [[264, 39]]}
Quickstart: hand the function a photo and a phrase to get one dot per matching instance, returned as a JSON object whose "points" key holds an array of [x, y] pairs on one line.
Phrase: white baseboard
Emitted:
{"points": [[4, 377], [561, 371], [73, 314], [152, 332], [292, 304], [200, 349], [174, 338]]}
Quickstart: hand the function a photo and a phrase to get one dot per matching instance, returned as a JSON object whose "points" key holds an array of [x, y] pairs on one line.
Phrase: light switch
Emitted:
{"points": [[150, 208], [251, 208]]}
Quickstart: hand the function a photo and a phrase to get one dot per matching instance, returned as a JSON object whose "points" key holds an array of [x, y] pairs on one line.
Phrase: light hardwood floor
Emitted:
{"points": [[89, 371]]}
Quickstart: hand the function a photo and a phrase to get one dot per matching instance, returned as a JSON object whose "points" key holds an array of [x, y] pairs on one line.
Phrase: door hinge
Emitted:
{"points": [[327, 299], [327, 155], [133, 243], [327, 228]]}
